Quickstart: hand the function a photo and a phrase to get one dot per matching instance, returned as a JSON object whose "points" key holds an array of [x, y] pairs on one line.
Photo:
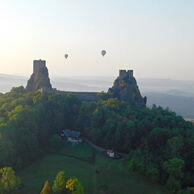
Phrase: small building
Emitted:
{"points": [[110, 153], [71, 136]]}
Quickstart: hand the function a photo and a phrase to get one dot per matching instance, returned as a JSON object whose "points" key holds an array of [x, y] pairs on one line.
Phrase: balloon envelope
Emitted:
{"points": [[66, 56], [103, 52]]}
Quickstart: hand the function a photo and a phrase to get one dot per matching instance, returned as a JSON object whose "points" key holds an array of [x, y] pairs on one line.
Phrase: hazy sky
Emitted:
{"points": [[156, 36]]}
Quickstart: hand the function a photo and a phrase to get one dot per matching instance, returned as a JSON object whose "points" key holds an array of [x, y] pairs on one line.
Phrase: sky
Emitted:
{"points": [[153, 37]]}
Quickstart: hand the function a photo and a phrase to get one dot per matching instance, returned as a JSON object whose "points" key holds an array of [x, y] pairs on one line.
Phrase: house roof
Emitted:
{"points": [[71, 133]]}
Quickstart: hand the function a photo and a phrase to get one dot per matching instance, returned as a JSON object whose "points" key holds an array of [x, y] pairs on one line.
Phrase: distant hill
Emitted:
{"points": [[9, 81], [182, 105], [178, 95], [168, 86]]}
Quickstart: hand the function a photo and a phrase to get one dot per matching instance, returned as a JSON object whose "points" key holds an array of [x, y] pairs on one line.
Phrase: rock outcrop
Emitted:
{"points": [[39, 80], [125, 88]]}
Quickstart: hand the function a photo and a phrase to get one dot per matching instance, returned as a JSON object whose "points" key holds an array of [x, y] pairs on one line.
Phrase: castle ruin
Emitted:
{"points": [[124, 88], [123, 74], [38, 65], [39, 80]]}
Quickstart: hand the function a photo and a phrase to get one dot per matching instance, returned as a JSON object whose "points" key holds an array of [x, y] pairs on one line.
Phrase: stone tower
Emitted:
{"points": [[38, 65], [39, 80], [125, 88]]}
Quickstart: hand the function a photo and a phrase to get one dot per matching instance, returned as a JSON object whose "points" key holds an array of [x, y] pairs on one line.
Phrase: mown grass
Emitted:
{"points": [[113, 175], [34, 176], [105, 175], [82, 150]]}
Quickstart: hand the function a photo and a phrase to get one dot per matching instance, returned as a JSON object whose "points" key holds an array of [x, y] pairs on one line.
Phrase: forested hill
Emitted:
{"points": [[160, 144]]}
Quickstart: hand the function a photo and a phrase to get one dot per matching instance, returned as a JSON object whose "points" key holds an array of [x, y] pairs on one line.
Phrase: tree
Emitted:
{"points": [[55, 142], [8, 180], [59, 185], [152, 172], [104, 96], [174, 145], [137, 162], [173, 184], [7, 152], [74, 186], [46, 188], [174, 168]]}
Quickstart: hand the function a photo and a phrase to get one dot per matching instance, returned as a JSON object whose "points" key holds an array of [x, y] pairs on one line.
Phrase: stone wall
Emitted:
{"points": [[86, 96]]}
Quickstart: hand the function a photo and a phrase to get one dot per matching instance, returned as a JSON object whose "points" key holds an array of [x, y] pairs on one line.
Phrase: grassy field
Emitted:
{"points": [[95, 171]]}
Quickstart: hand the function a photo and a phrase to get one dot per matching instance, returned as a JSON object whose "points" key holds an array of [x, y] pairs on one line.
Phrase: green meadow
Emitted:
{"points": [[95, 171]]}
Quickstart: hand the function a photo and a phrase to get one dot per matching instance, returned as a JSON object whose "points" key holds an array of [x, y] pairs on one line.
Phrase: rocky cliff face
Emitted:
{"points": [[125, 88], [39, 80]]}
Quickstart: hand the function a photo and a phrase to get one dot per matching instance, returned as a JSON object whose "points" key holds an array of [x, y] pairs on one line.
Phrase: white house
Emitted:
{"points": [[110, 153], [71, 136]]}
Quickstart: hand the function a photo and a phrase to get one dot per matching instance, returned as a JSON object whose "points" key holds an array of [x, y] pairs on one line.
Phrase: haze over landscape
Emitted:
{"points": [[155, 38], [178, 95]]}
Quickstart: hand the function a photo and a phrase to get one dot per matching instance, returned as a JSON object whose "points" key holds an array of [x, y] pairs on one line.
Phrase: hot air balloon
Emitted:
{"points": [[66, 56], [103, 52]]}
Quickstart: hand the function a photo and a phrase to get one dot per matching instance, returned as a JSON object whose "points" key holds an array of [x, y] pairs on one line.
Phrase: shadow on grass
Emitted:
{"points": [[91, 160]]}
